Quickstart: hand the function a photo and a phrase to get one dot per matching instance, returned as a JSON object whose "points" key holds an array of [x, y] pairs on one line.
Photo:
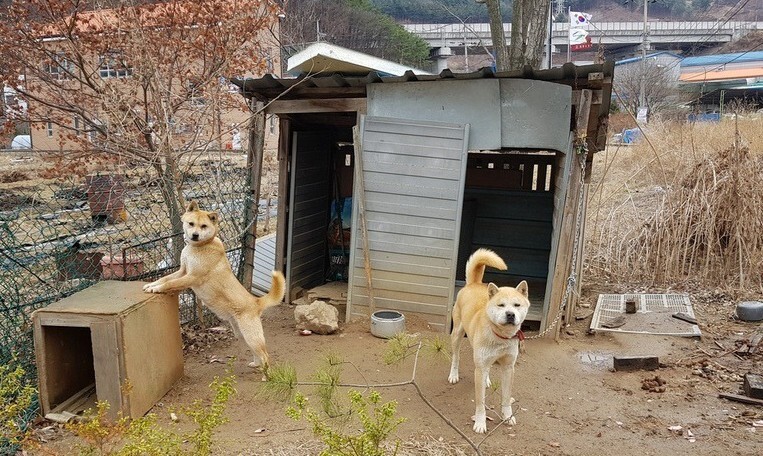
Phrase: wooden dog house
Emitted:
{"points": [[442, 165], [110, 342]]}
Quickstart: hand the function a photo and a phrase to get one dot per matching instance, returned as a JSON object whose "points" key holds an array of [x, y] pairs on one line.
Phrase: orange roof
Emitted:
{"points": [[722, 75], [151, 15]]}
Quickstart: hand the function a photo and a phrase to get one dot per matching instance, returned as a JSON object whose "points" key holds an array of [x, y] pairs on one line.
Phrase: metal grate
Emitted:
{"points": [[654, 314]]}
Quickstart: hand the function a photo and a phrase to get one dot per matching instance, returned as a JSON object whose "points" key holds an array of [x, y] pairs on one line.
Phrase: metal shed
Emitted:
{"points": [[439, 165]]}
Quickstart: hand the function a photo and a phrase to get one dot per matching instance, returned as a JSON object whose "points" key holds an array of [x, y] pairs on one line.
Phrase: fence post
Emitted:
{"points": [[255, 151]]}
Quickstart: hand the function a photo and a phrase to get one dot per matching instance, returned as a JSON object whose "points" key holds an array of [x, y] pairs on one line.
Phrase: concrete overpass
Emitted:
{"points": [[619, 39]]}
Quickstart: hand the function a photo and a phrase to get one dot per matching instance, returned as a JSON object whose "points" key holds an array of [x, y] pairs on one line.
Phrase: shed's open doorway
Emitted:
{"points": [[319, 199], [508, 208]]}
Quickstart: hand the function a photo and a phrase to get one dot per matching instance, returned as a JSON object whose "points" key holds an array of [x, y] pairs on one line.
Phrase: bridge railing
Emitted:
{"points": [[438, 32]]}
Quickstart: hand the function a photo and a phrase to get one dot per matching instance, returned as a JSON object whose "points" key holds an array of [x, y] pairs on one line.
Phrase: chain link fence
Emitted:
{"points": [[60, 236]]}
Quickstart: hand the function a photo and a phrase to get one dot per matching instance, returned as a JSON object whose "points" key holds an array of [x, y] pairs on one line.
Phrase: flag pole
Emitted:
{"points": [[549, 45], [569, 34]]}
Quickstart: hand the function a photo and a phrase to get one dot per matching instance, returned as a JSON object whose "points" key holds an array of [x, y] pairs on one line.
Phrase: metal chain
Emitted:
{"points": [[582, 152]]}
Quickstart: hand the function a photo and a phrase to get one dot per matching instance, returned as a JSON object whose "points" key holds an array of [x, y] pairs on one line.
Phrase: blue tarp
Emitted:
{"points": [[631, 136], [704, 117]]}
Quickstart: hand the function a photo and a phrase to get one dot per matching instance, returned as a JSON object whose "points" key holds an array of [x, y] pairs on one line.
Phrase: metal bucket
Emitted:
{"points": [[105, 196], [387, 323]]}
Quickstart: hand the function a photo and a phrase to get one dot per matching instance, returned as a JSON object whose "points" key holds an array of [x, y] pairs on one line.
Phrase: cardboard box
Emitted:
{"points": [[113, 339]]}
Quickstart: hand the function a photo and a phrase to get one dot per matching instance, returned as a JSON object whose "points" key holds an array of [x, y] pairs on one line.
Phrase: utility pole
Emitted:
{"points": [[466, 48], [644, 45]]}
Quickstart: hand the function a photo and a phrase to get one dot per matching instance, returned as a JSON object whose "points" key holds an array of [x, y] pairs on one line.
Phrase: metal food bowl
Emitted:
{"points": [[750, 310], [387, 323]]}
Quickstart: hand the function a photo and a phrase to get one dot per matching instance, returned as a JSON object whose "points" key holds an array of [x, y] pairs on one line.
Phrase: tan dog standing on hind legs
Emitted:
{"points": [[205, 269], [491, 318]]}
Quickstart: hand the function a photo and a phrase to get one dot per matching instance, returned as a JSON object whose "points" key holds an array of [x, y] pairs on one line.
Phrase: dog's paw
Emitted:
{"points": [[147, 286], [488, 383], [152, 289], [480, 425], [508, 415], [453, 377]]}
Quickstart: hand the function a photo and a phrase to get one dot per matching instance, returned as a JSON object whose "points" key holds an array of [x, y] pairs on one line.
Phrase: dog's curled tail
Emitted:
{"points": [[475, 266], [276, 293]]}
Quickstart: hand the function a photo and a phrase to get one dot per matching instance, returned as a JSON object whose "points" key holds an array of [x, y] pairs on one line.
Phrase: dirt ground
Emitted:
{"points": [[569, 401]]}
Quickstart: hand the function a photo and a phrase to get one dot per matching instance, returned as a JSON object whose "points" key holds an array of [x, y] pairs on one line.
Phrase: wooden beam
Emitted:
{"points": [[596, 96], [582, 118], [567, 234], [575, 298], [360, 194], [742, 399], [284, 158], [316, 106], [255, 151]]}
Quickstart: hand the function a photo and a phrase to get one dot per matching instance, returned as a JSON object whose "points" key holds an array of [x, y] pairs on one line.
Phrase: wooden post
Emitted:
{"points": [[255, 151], [282, 207], [267, 216], [361, 196], [575, 299], [582, 115], [564, 263]]}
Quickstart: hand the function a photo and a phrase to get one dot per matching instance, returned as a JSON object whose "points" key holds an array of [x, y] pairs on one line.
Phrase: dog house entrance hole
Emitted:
{"points": [[70, 367]]}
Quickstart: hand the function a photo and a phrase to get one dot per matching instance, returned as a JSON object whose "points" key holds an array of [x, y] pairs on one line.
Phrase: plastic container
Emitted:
{"points": [[387, 323]]}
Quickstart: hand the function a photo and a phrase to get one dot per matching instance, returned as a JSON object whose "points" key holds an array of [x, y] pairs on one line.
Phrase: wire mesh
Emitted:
{"points": [[60, 236]]}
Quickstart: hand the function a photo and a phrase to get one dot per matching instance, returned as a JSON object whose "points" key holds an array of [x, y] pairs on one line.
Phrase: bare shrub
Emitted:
{"points": [[12, 176], [686, 208]]}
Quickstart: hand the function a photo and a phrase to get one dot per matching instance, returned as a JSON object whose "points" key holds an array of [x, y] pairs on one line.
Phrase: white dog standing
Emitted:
{"points": [[491, 318]]}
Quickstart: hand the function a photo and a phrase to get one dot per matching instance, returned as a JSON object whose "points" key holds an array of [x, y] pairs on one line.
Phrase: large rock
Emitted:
{"points": [[319, 317]]}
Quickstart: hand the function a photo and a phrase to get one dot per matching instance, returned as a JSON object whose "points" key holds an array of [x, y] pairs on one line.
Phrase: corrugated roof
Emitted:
{"points": [[332, 58], [331, 86], [722, 75], [722, 59], [318, 86], [650, 56]]}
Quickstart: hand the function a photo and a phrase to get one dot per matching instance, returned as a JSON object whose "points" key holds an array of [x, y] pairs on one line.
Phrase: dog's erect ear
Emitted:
{"points": [[522, 288], [213, 217], [492, 289], [192, 206]]}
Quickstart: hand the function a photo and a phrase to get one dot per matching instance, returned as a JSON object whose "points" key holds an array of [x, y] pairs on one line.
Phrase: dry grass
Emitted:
{"points": [[683, 206], [422, 446]]}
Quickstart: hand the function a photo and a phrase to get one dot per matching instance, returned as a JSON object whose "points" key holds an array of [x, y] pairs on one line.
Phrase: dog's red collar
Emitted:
{"points": [[519, 335]]}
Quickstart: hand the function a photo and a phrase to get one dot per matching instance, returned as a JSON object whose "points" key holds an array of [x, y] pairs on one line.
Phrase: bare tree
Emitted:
{"points": [[658, 85], [497, 35], [529, 31], [143, 82]]}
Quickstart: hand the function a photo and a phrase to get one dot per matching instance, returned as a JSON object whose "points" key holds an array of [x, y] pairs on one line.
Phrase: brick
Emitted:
{"points": [[753, 385], [632, 363]]}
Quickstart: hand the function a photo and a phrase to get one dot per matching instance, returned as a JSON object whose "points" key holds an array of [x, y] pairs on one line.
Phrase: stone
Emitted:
{"points": [[318, 317], [631, 363], [753, 385]]}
